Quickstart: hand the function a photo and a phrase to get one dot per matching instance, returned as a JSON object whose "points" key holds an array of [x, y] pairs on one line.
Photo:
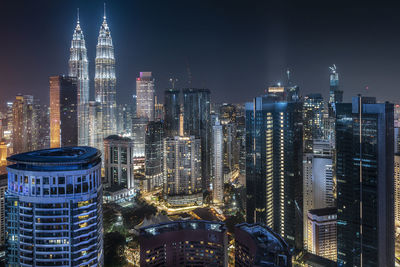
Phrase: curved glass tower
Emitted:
{"points": [[105, 92], [79, 68], [54, 208]]}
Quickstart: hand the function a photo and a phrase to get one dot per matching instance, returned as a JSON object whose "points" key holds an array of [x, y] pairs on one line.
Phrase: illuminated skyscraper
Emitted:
{"points": [[154, 143], [218, 163], [364, 171], [158, 110], [313, 111], [145, 96], [317, 181], [321, 234], [3, 157], [124, 119], [54, 208], [197, 122], [231, 150], [63, 111], [182, 170], [105, 80], [3, 189], [139, 136], [24, 124], [274, 166], [79, 68], [95, 125], [335, 95]]}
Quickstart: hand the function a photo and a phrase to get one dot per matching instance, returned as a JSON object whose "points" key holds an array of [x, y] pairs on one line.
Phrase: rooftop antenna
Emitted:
{"points": [[104, 10], [173, 81], [188, 72], [288, 76], [78, 15]]}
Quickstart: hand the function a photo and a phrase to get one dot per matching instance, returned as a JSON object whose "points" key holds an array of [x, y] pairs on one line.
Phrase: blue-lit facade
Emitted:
{"points": [[335, 95], [54, 208], [365, 213], [274, 166]]}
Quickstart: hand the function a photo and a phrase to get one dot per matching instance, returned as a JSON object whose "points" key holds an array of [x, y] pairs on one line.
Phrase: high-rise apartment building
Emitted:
{"points": [[23, 124], [105, 81], [182, 170], [197, 122], [172, 109], [154, 144], [118, 162], [274, 179], [145, 96], [54, 208], [218, 163], [364, 156], [63, 111], [79, 68], [29, 122]]}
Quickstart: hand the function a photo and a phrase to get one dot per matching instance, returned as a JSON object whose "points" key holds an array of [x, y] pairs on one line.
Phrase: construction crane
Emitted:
{"points": [[333, 68]]}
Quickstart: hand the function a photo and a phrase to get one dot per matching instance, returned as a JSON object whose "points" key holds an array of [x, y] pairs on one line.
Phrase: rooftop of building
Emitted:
{"points": [[115, 137], [57, 156], [266, 239], [195, 90], [314, 260], [173, 226], [323, 211]]}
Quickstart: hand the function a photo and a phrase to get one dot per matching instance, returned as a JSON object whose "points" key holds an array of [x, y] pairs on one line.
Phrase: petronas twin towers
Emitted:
{"points": [[105, 91]]}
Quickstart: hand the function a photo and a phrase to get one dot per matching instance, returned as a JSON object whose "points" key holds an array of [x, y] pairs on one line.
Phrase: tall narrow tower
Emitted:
{"points": [[79, 68], [105, 92]]}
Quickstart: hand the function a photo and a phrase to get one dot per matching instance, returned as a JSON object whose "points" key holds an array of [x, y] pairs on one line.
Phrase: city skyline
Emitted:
{"points": [[230, 49], [200, 133]]}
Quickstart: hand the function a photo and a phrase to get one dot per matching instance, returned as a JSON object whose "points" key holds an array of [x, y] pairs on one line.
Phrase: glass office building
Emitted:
{"points": [[274, 180], [197, 122], [365, 166], [54, 208]]}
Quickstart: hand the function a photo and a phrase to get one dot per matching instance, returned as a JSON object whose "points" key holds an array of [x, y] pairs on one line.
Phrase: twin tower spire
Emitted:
{"points": [[104, 84]]}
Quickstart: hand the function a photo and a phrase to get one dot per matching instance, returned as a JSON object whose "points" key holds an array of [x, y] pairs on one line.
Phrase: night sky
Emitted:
{"points": [[234, 48]]}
